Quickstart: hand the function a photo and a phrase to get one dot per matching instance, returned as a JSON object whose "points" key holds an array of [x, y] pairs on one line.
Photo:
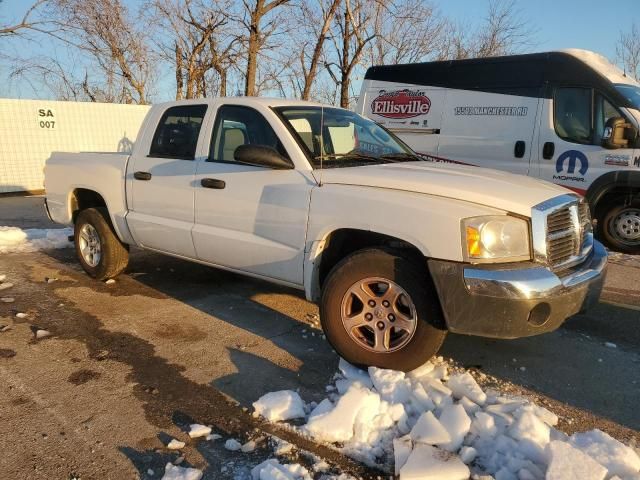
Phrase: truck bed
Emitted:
{"points": [[104, 173]]}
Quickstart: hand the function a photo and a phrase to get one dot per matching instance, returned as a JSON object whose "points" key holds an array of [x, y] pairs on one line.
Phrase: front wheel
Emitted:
{"points": [[380, 309], [621, 228], [101, 253]]}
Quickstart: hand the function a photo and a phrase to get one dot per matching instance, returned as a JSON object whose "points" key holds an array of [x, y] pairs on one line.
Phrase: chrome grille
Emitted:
{"points": [[569, 236]]}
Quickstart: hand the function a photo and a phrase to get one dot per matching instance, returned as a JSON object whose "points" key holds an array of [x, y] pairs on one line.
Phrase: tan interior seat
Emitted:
{"points": [[233, 138]]}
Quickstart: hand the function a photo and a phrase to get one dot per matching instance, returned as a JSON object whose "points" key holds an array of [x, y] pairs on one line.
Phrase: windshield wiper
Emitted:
{"points": [[402, 157], [350, 157]]}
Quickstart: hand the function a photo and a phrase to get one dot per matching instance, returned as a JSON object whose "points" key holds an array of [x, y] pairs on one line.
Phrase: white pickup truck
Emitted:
{"points": [[397, 251]]}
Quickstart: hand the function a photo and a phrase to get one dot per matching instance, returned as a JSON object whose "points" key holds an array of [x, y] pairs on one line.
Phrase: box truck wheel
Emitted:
{"points": [[101, 253], [380, 309], [621, 228]]}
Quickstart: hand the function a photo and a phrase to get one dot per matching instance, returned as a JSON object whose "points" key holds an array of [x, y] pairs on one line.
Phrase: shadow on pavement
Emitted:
{"points": [[562, 365]]}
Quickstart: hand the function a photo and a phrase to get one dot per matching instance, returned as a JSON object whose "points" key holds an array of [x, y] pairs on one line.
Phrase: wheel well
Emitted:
{"points": [[621, 195], [83, 198], [343, 242]]}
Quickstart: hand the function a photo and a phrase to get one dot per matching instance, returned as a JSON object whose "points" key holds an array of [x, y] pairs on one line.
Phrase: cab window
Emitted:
{"points": [[177, 133], [604, 110], [236, 126], [572, 114]]}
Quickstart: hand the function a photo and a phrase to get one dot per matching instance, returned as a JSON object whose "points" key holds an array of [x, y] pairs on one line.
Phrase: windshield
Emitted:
{"points": [[333, 137], [630, 92]]}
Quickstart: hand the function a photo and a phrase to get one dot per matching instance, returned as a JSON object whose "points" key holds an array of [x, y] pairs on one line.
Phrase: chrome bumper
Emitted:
{"points": [[516, 301], [534, 282]]}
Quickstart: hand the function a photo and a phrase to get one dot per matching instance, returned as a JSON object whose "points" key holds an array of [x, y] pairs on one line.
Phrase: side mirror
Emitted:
{"points": [[618, 133], [261, 156]]}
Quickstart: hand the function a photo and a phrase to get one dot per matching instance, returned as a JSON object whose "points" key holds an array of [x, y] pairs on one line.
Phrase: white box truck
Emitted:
{"points": [[569, 117], [30, 130]]}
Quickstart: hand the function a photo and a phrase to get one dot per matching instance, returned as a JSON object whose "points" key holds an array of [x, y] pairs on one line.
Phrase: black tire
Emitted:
{"points": [[114, 255], [610, 222], [430, 330]]}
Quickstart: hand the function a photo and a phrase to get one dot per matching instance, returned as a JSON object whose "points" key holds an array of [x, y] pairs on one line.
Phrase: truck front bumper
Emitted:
{"points": [[517, 300]]}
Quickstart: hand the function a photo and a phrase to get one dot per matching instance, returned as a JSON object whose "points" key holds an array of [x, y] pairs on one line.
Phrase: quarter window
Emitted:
{"points": [[236, 126], [572, 114], [177, 132]]}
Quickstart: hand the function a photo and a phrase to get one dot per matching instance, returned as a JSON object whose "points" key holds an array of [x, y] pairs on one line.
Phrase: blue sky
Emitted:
{"points": [[589, 24]]}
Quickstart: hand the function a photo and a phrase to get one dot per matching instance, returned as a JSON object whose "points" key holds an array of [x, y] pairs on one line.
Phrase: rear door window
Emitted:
{"points": [[177, 133]]}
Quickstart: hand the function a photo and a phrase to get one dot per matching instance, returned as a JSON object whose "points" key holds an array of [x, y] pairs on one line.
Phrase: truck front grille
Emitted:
{"points": [[569, 234]]}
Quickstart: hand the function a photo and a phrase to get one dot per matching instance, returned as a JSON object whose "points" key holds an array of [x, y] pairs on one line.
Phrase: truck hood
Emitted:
{"points": [[492, 188]]}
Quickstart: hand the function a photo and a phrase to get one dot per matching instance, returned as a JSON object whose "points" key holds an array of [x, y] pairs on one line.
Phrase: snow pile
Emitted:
{"points": [[274, 470], [432, 425], [278, 406], [13, 239]]}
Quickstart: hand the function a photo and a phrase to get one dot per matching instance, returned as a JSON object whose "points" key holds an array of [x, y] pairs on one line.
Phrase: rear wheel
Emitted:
{"points": [[380, 309], [621, 228], [100, 252]]}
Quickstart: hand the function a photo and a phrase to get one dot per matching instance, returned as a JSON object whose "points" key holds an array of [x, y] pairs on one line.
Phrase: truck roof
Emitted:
{"points": [[264, 101], [525, 75]]}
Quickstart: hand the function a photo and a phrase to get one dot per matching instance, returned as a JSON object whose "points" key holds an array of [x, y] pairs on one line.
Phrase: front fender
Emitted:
{"points": [[429, 223]]}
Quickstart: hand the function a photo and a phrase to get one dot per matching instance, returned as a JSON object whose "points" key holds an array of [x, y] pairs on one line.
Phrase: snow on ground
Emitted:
{"points": [[196, 430], [173, 472], [433, 424], [14, 239], [175, 444], [278, 406]]}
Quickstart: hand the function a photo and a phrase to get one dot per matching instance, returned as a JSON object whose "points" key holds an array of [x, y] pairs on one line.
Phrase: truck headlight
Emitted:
{"points": [[496, 238]]}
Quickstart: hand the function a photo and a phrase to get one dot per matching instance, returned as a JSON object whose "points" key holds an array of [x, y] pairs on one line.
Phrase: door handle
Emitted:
{"points": [[548, 149], [519, 149], [142, 175], [213, 183]]}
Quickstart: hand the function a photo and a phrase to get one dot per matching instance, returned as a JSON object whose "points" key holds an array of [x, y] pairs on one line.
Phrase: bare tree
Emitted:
{"points": [[406, 31], [315, 19], [353, 32], [628, 50], [112, 37], [26, 23], [255, 12], [205, 39], [502, 32]]}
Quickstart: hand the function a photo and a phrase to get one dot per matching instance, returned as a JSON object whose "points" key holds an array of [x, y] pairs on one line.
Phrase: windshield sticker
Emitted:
{"points": [[617, 160], [495, 111], [401, 104], [568, 161]]}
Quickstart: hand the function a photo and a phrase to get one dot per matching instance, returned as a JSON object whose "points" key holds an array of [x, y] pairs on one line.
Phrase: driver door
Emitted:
{"points": [[571, 139], [249, 218]]}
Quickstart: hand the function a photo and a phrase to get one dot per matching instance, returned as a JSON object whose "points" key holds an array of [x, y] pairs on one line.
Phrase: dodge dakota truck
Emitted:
{"points": [[397, 251]]}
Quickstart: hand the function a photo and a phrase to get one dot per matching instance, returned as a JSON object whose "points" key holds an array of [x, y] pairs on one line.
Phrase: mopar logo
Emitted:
{"points": [[572, 156]]}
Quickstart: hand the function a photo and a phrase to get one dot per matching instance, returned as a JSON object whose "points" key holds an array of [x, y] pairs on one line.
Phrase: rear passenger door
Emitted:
{"points": [[161, 213]]}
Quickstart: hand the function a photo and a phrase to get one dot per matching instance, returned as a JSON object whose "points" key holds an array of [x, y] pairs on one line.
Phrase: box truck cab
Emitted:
{"points": [[569, 117]]}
